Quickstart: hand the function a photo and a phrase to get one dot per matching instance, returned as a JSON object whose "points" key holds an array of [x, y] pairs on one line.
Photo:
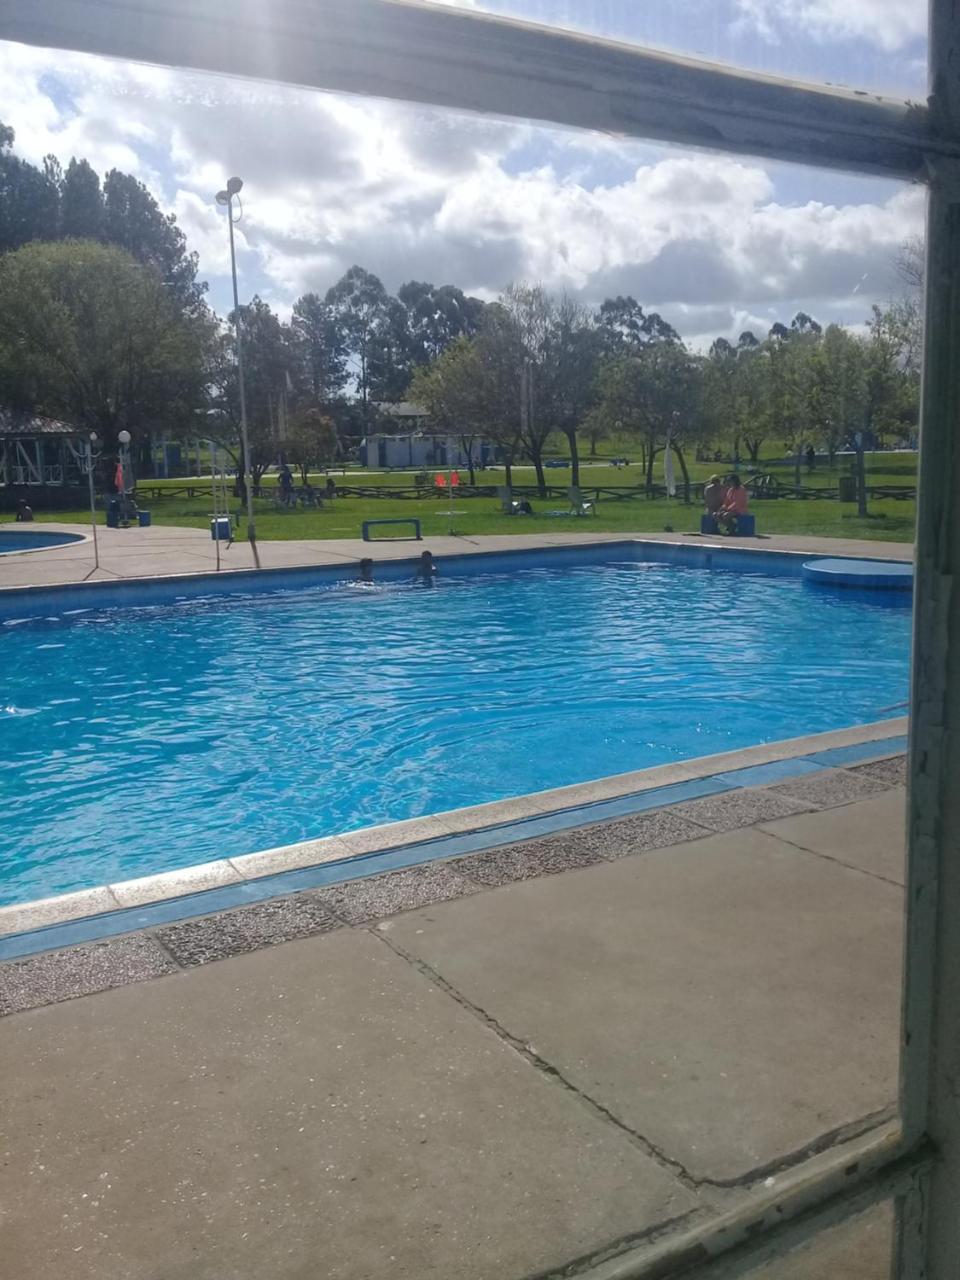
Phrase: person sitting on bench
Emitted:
{"points": [[713, 495], [735, 502]]}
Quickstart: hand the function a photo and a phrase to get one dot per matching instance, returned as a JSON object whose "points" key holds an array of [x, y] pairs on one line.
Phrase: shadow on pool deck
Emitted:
{"points": [[439, 1078]]}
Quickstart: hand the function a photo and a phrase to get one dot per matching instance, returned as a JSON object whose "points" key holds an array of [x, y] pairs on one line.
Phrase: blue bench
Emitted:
{"points": [[746, 526], [369, 524]]}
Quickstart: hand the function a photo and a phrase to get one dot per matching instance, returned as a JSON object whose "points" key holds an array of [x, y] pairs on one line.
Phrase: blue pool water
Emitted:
{"points": [[33, 540], [135, 740]]}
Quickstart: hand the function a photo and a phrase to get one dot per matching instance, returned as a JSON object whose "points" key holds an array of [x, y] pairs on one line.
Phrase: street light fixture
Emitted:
{"points": [[124, 438], [225, 198], [90, 456]]}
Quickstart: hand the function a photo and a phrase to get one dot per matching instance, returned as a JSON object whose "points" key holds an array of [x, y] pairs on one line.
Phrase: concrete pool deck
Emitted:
{"points": [[161, 550], [520, 1063]]}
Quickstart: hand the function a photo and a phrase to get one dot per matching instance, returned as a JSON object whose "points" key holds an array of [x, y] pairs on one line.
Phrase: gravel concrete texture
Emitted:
{"points": [[80, 971], [858, 1250], [870, 834], [358, 901], [525, 861], [319, 1109], [232, 933], [893, 771], [618, 839], [832, 787], [727, 999], [734, 809]]}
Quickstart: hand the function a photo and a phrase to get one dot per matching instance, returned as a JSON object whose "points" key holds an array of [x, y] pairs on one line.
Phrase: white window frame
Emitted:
{"points": [[413, 51], [28, 463]]}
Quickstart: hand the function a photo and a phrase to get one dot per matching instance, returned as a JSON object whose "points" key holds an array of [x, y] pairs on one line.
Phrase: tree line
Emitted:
{"points": [[104, 323], [544, 364]]}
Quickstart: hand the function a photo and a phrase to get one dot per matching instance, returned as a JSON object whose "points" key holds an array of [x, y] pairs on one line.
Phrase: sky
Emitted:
{"points": [[715, 244]]}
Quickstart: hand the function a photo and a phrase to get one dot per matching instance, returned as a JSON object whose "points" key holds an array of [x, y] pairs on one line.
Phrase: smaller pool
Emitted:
{"points": [[33, 540]]}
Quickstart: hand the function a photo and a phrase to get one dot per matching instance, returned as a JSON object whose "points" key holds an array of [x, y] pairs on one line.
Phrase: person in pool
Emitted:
{"points": [[426, 569], [735, 502], [366, 571]]}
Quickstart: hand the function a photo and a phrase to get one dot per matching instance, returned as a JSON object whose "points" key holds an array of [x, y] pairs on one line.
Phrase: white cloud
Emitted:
{"points": [[416, 193], [890, 24]]}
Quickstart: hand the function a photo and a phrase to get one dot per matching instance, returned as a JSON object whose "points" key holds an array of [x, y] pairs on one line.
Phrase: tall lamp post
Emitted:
{"points": [[225, 198], [89, 461], [125, 477]]}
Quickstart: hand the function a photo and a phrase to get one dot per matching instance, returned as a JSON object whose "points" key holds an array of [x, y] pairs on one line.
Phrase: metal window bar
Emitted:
{"points": [[407, 50]]}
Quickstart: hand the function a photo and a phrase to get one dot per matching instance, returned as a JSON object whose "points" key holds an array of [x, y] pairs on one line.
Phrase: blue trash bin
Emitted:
{"points": [[220, 530], [144, 518]]}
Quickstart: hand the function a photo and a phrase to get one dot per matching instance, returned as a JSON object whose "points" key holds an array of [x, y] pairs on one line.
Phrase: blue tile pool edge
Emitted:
{"points": [[125, 920]]}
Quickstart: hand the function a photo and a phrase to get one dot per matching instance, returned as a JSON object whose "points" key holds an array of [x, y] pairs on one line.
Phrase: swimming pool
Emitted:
{"points": [[33, 540], [139, 739]]}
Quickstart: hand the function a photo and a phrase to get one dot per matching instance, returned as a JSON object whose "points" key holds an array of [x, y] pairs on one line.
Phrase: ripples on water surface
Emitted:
{"points": [[137, 740]]}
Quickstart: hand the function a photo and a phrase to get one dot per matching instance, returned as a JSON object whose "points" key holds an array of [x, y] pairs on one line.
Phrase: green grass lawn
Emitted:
{"points": [[889, 520]]}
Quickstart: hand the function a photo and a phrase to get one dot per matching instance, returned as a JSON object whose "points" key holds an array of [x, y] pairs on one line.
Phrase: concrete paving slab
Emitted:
{"points": [[316, 1110], [870, 834], [80, 971], [892, 771], [307, 853], [392, 834], [247, 929], [581, 846], [654, 830], [831, 787], [525, 861], [358, 901], [734, 809], [172, 884], [19, 917], [857, 1250], [727, 999]]}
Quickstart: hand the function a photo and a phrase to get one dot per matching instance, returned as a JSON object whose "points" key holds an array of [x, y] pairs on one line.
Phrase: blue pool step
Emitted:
{"points": [[876, 574]]}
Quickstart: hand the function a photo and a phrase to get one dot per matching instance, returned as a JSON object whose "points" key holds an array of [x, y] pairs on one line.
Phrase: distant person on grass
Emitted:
{"points": [[735, 503], [24, 513], [713, 495]]}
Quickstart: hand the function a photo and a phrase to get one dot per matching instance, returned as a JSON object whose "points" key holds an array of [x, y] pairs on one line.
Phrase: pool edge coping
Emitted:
{"points": [[204, 888], [708, 542]]}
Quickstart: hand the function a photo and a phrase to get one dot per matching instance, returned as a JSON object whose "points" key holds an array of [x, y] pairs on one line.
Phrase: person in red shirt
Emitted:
{"points": [[735, 503]]}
